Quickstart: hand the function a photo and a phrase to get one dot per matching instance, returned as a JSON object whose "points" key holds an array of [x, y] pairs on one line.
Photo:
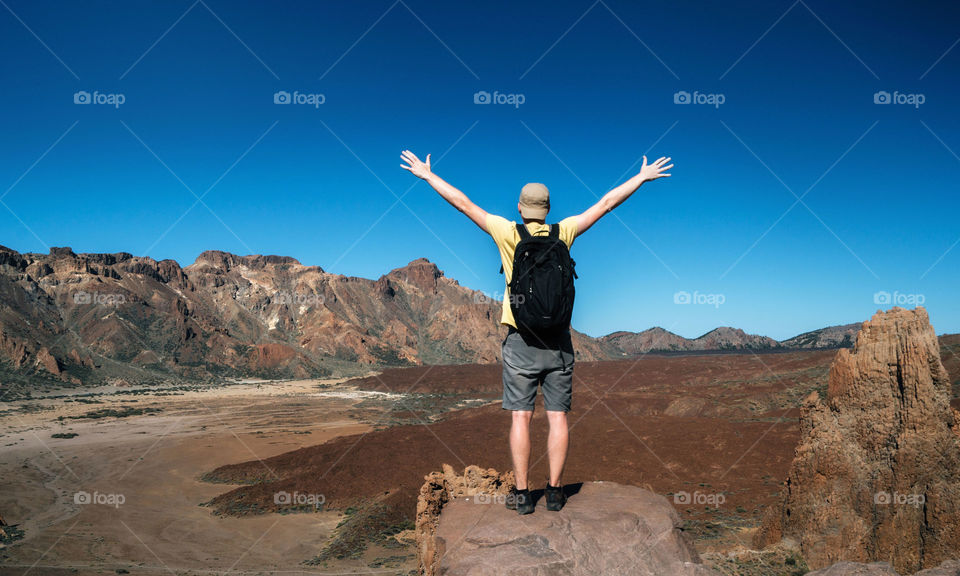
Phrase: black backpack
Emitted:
{"points": [[541, 289]]}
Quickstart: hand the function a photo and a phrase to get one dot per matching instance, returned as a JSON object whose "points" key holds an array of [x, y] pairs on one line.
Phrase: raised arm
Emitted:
{"points": [[615, 197], [451, 194]]}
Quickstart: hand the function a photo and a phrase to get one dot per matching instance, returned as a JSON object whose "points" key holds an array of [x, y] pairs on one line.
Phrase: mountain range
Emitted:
{"points": [[102, 318]]}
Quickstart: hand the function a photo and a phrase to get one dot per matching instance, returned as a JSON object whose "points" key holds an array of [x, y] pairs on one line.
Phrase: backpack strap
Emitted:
{"points": [[555, 231], [522, 231]]}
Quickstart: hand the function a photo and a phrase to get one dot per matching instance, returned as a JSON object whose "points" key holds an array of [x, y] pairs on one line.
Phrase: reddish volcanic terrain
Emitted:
{"points": [[697, 424], [700, 424]]}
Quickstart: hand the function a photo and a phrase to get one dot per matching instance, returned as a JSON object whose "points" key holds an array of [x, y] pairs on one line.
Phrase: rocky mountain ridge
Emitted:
{"points": [[120, 318]]}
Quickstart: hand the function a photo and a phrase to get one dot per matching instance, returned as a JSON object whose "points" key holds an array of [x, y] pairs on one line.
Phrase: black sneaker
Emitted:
{"points": [[522, 502], [555, 498]]}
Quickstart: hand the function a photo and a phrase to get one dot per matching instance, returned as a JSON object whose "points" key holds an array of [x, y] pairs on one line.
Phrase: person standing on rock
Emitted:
{"points": [[537, 350]]}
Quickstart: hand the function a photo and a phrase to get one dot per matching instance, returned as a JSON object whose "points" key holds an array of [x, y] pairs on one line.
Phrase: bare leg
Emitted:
{"points": [[520, 445], [557, 443]]}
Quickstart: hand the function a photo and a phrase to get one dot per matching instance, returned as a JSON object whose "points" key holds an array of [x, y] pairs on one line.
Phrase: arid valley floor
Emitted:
{"points": [[197, 468]]}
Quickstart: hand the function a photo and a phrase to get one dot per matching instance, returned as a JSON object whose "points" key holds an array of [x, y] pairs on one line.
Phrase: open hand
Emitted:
{"points": [[416, 167], [653, 171]]}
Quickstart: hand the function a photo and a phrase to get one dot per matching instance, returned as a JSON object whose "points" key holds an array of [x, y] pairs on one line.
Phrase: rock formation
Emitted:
{"points": [[605, 528], [875, 477], [441, 487]]}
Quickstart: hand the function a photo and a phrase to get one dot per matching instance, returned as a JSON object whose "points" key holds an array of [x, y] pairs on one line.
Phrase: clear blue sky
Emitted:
{"points": [[598, 80]]}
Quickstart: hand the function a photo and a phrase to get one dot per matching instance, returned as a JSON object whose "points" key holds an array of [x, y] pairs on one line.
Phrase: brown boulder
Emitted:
{"points": [[875, 475]]}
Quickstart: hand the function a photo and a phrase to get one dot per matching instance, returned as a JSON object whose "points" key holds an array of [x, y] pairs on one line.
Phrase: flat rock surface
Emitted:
{"points": [[605, 528]]}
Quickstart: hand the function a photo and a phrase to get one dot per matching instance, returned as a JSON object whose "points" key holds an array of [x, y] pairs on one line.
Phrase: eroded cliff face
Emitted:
{"points": [[875, 476]]}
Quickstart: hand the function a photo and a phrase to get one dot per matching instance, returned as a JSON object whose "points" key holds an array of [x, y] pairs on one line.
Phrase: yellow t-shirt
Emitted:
{"points": [[504, 233]]}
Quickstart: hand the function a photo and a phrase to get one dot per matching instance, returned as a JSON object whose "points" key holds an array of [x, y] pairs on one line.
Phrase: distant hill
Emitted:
{"points": [[831, 337], [620, 344]]}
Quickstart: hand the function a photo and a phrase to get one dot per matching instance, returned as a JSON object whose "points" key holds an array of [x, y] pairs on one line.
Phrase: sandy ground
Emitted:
{"points": [[142, 474]]}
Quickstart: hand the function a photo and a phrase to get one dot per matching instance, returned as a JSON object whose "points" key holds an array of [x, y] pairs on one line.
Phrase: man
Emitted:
{"points": [[530, 361]]}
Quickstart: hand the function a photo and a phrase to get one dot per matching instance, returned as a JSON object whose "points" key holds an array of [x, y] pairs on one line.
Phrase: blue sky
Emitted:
{"points": [[599, 82]]}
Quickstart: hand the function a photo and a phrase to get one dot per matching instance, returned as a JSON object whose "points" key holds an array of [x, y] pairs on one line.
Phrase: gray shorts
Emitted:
{"points": [[529, 362]]}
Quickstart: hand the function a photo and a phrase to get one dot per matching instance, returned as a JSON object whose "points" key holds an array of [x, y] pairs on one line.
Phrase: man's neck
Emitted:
{"points": [[529, 220]]}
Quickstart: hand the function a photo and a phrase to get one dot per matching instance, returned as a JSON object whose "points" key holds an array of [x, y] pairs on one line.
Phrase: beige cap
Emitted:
{"points": [[534, 201]]}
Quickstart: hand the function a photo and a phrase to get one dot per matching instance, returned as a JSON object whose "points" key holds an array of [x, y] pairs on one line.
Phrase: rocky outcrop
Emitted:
{"points": [[46, 361], [440, 488], [421, 273], [875, 477], [605, 528]]}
